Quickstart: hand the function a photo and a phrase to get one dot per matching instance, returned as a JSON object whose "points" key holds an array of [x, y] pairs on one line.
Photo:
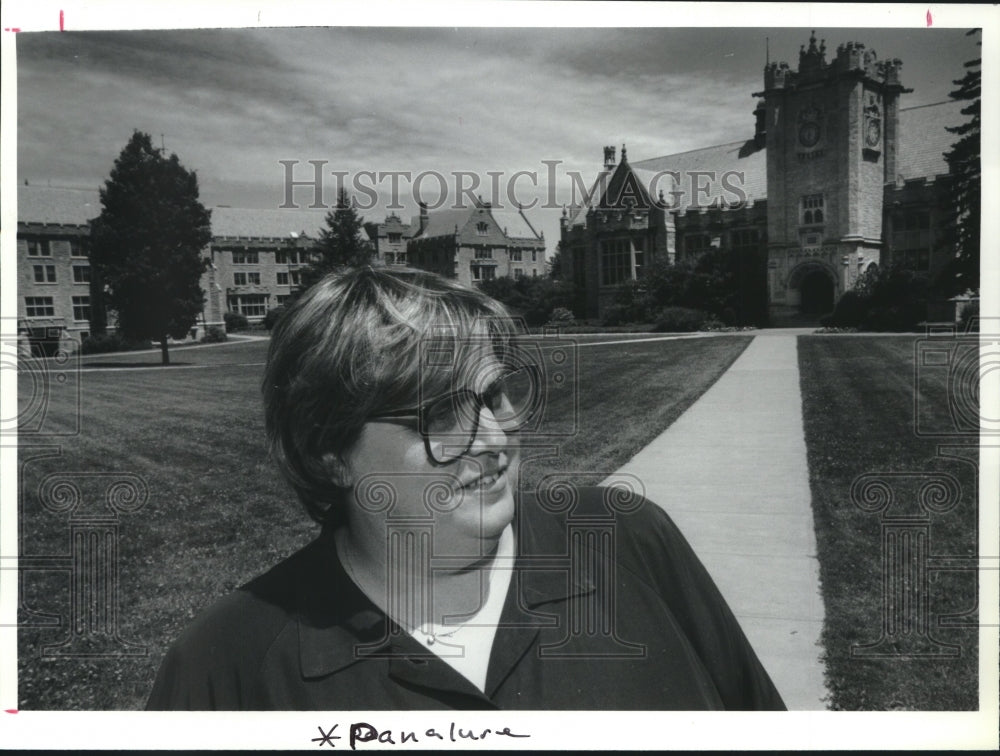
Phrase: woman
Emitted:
{"points": [[397, 406]]}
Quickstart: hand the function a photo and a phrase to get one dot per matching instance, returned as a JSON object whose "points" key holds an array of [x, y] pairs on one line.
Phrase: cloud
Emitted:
{"points": [[232, 103]]}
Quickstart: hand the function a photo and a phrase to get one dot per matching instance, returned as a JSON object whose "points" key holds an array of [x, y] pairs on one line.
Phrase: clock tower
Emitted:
{"points": [[831, 132]]}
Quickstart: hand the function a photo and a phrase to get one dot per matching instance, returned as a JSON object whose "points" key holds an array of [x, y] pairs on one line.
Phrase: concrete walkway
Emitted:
{"points": [[732, 473]]}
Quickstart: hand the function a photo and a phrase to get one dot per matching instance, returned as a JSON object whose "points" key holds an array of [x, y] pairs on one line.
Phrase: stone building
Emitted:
{"points": [[53, 269], [255, 258], [477, 243], [837, 178], [389, 239]]}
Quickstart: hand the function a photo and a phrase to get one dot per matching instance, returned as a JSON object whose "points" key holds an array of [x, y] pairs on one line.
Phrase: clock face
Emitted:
{"points": [[873, 134], [809, 133]]}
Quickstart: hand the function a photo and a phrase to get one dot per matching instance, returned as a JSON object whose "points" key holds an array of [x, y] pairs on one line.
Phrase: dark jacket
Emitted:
{"points": [[606, 610]]}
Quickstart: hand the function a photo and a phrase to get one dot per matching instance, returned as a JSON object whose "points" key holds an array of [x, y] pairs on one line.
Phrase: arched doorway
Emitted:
{"points": [[816, 293]]}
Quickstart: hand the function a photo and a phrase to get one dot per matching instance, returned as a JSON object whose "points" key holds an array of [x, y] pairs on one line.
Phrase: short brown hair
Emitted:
{"points": [[350, 347]]}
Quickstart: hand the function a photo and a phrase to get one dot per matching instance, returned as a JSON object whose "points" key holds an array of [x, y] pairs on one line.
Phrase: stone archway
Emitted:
{"points": [[816, 293], [813, 289]]}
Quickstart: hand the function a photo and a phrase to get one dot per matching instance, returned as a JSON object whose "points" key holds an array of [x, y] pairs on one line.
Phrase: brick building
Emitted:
{"points": [[477, 243], [837, 177]]}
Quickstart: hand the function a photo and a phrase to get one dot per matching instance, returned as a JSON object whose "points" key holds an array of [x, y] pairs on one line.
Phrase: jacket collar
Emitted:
{"points": [[338, 625]]}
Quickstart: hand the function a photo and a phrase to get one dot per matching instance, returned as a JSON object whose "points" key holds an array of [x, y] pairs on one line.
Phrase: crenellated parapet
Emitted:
{"points": [[851, 59]]}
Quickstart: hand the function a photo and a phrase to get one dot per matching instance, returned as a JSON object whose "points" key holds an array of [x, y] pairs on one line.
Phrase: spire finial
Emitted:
{"points": [[623, 152]]}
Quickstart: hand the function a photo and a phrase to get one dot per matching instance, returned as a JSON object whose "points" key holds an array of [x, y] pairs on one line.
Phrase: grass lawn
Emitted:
{"points": [[858, 410], [218, 514]]}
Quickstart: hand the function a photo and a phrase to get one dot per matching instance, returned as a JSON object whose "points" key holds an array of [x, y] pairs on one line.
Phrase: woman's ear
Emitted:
{"points": [[337, 469]]}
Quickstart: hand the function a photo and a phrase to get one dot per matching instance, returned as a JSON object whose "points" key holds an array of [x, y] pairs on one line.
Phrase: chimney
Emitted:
{"points": [[423, 216], [609, 158]]}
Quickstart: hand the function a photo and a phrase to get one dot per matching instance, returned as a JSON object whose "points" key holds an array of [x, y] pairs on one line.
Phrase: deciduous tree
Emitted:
{"points": [[146, 245]]}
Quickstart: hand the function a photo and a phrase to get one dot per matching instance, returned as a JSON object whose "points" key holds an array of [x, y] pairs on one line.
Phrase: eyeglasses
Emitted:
{"points": [[449, 423]]}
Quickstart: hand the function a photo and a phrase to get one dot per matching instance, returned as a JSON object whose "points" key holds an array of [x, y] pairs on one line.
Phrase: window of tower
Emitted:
{"points": [[811, 209]]}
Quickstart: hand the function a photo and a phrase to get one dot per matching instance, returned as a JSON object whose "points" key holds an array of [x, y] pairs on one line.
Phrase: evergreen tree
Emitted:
{"points": [[146, 246], [961, 232], [341, 244]]}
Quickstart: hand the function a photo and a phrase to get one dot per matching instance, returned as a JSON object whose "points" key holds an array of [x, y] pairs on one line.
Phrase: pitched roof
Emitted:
{"points": [[923, 139], [738, 164], [577, 214], [922, 143], [271, 223], [57, 205], [514, 223], [71, 206], [443, 222]]}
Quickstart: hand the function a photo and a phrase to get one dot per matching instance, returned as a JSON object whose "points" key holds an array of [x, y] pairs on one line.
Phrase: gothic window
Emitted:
{"points": [[811, 209], [911, 239], [616, 263], [483, 272], [482, 228], [695, 244], [251, 305], [746, 238], [912, 259]]}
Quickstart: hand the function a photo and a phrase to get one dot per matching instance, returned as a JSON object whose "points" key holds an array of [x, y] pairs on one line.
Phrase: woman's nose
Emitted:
{"points": [[490, 435]]}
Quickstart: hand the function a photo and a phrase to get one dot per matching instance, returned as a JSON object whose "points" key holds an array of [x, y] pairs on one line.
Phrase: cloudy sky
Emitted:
{"points": [[232, 103]]}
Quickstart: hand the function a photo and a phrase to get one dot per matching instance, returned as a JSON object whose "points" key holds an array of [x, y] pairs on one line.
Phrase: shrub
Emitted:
{"points": [[112, 342], [615, 315], [214, 335], [561, 317], [884, 299], [534, 298], [969, 316], [849, 311], [272, 316], [235, 322], [681, 320]]}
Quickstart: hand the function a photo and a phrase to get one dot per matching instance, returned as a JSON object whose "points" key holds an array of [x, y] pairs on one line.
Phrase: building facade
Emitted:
{"points": [[255, 258], [54, 280], [837, 178], [477, 243], [389, 239]]}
